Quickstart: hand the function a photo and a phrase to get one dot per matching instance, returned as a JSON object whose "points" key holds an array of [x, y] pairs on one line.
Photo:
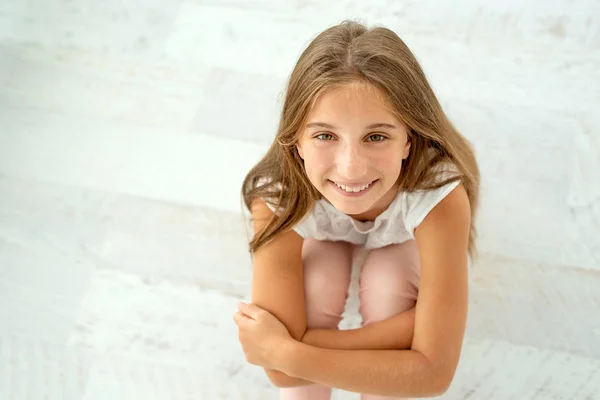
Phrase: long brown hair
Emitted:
{"points": [[351, 53]]}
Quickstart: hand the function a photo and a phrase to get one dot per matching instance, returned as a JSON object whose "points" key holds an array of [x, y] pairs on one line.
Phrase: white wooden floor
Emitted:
{"points": [[127, 127]]}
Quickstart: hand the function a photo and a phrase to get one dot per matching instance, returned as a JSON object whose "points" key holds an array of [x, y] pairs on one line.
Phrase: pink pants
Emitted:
{"points": [[389, 283]]}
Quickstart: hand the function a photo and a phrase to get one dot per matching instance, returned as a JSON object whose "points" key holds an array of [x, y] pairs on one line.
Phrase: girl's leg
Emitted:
{"points": [[389, 284], [327, 267]]}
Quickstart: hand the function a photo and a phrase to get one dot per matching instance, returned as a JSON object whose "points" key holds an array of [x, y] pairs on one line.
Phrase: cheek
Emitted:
{"points": [[315, 162], [388, 162]]}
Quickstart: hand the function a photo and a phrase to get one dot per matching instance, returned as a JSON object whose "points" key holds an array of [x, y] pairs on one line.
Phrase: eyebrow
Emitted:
{"points": [[328, 126]]}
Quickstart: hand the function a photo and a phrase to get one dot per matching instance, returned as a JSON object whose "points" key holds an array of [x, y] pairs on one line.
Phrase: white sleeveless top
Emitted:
{"points": [[395, 225]]}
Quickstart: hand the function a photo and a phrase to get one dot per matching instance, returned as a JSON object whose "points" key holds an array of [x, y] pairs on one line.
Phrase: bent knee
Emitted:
{"points": [[326, 279]]}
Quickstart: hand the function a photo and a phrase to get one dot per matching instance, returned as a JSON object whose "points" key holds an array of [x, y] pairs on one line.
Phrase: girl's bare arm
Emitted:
{"points": [[395, 333], [278, 283]]}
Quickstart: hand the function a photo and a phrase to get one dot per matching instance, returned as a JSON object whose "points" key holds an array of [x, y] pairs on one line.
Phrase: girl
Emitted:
{"points": [[364, 158]]}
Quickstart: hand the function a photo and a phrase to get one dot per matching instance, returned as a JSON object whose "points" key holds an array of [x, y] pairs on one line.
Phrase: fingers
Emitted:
{"points": [[250, 310], [239, 318], [246, 313]]}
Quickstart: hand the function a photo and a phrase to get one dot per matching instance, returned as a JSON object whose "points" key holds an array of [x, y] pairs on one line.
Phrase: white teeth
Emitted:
{"points": [[352, 189]]}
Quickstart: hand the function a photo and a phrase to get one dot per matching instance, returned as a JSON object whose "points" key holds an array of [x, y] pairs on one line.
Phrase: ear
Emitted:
{"points": [[406, 151], [299, 148]]}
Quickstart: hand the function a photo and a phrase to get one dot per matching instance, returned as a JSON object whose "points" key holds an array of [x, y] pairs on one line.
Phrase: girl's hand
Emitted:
{"points": [[261, 334]]}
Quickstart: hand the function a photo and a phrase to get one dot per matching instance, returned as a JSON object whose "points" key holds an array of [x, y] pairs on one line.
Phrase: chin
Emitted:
{"points": [[351, 208]]}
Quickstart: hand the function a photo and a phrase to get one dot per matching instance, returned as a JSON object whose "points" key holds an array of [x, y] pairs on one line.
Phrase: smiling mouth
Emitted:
{"points": [[354, 188]]}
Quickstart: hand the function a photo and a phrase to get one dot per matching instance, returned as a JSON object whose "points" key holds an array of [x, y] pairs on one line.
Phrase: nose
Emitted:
{"points": [[351, 162]]}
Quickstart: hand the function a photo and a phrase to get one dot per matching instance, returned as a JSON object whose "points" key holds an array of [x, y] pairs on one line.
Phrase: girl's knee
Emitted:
{"points": [[327, 267], [380, 306], [389, 282]]}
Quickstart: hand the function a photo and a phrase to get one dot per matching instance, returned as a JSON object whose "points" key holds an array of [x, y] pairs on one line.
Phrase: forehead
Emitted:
{"points": [[356, 99]]}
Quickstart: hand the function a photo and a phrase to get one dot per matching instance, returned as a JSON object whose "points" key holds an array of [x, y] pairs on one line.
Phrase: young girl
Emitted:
{"points": [[364, 158]]}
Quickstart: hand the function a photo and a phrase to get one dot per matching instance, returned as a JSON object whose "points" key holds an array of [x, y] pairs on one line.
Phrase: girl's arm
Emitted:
{"points": [[278, 283], [428, 368], [393, 333]]}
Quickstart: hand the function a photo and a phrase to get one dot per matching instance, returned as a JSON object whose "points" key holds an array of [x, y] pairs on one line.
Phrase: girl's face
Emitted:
{"points": [[353, 147]]}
